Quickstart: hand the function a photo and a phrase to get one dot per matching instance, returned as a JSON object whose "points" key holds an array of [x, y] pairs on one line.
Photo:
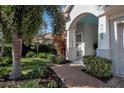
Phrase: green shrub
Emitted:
{"points": [[3, 71], [7, 51], [29, 84], [59, 59], [52, 84], [26, 49], [50, 56], [46, 48], [43, 71], [31, 75], [6, 60], [98, 66], [31, 54], [40, 70], [42, 55]]}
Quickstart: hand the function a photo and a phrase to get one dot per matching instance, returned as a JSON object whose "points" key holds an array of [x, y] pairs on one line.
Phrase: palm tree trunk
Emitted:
{"points": [[16, 53]]}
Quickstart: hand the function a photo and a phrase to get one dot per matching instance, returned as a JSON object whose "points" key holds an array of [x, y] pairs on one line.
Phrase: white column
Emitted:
{"points": [[103, 38], [71, 45], [67, 45]]}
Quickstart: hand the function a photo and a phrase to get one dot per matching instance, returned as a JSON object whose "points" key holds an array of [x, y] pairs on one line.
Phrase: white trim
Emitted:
{"points": [[116, 12], [67, 8], [117, 40]]}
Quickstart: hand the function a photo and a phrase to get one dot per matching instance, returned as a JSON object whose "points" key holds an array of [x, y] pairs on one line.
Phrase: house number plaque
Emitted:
{"points": [[101, 36], [101, 30]]}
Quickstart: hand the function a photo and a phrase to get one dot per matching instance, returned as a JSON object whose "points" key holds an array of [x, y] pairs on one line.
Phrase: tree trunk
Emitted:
{"points": [[16, 53]]}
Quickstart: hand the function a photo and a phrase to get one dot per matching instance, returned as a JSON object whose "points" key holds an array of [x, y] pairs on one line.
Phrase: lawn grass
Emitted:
{"points": [[29, 77], [29, 63], [34, 59]]}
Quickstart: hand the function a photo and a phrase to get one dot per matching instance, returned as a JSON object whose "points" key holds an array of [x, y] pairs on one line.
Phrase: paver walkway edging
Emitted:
{"points": [[72, 76]]}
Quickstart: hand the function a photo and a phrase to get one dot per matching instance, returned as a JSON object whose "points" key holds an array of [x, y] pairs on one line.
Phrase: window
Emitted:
{"points": [[78, 38]]}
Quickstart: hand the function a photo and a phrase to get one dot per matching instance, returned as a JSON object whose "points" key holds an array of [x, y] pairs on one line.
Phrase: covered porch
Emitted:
{"points": [[82, 37], [87, 34]]}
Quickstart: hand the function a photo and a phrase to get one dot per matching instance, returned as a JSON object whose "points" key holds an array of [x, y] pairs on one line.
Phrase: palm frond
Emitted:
{"points": [[26, 20], [32, 22], [5, 20], [57, 19]]}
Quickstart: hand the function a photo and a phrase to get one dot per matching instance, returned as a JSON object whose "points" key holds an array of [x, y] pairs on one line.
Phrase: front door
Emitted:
{"points": [[121, 48], [80, 50], [79, 45]]}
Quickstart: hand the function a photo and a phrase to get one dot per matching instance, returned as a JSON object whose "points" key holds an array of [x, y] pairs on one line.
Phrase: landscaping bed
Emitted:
{"points": [[98, 67], [35, 74], [103, 79]]}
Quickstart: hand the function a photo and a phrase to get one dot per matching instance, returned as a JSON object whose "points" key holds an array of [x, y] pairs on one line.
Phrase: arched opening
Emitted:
{"points": [[86, 34]]}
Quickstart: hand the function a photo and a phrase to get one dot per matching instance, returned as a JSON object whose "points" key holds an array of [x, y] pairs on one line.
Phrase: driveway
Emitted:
{"points": [[72, 76]]}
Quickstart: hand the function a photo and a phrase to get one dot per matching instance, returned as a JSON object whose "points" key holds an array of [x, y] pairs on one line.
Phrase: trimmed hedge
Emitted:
{"points": [[97, 66]]}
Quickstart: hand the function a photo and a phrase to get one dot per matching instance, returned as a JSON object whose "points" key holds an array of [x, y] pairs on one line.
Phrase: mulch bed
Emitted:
{"points": [[53, 76], [5, 82], [105, 80]]}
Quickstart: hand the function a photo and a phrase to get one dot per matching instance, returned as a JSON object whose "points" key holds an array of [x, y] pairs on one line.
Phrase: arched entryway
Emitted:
{"points": [[85, 38]]}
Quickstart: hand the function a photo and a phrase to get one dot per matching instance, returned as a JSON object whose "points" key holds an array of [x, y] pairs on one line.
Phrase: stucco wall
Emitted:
{"points": [[80, 10], [114, 42], [104, 49], [90, 37]]}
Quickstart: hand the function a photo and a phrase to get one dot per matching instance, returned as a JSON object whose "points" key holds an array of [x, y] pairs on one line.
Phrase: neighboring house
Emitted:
{"points": [[47, 38], [96, 30], [44, 39]]}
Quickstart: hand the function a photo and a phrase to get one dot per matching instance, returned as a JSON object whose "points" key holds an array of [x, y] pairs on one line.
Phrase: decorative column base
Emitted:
{"points": [[105, 53]]}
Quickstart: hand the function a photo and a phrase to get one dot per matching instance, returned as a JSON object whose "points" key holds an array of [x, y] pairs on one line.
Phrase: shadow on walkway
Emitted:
{"points": [[72, 76]]}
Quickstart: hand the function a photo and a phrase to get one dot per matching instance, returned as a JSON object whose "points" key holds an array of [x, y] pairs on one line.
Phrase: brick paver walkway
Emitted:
{"points": [[72, 76]]}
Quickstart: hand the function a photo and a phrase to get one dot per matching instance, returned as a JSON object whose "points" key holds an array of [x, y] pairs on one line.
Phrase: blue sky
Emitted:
{"points": [[46, 18]]}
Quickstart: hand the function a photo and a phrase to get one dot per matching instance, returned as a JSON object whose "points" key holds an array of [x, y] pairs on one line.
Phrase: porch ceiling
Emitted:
{"points": [[90, 19]]}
